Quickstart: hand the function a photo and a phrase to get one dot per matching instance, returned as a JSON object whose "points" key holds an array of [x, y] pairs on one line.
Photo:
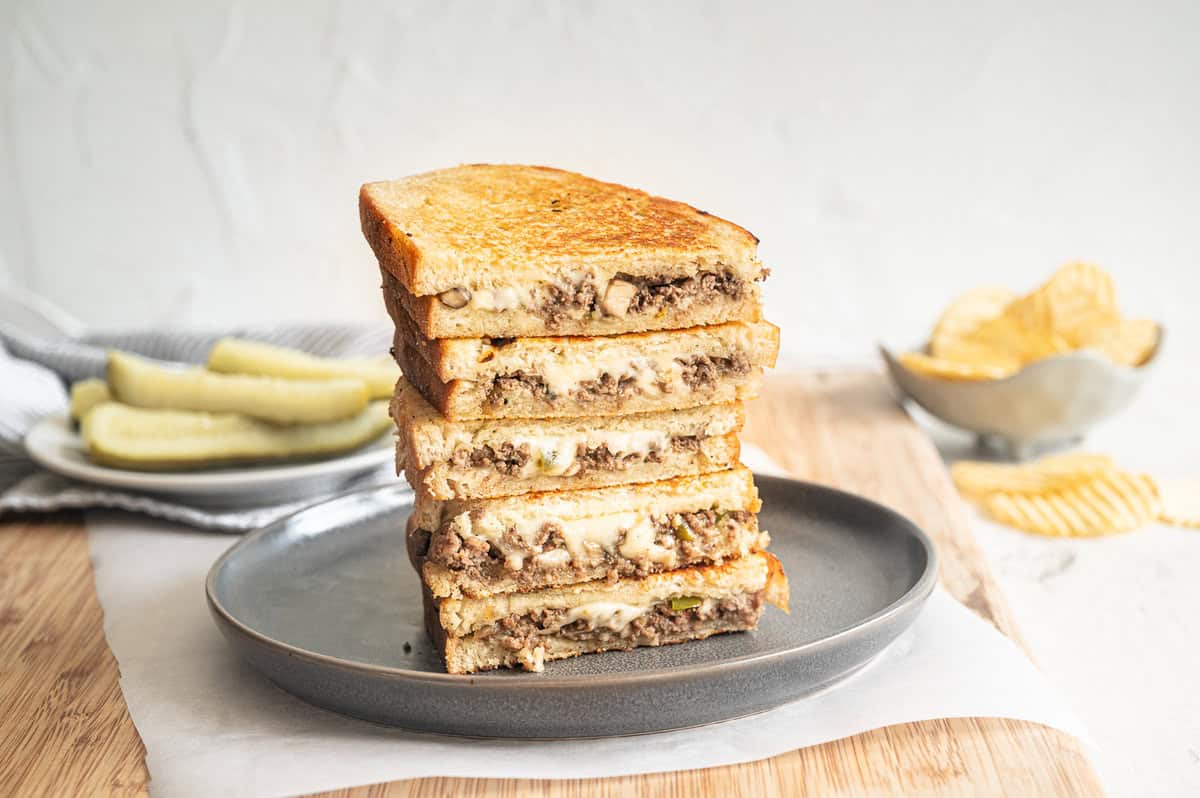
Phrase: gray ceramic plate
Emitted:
{"points": [[326, 605]]}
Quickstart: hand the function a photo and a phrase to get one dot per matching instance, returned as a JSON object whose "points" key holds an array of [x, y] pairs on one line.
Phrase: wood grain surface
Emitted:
{"points": [[66, 730]]}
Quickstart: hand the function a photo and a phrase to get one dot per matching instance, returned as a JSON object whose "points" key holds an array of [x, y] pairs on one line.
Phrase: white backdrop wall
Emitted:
{"points": [[193, 164]]}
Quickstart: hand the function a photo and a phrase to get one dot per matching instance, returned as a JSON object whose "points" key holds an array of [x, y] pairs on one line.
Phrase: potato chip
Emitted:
{"points": [[965, 314], [1077, 297], [921, 363], [989, 334], [1128, 342], [1109, 502], [1050, 473], [1180, 501], [1027, 344]]}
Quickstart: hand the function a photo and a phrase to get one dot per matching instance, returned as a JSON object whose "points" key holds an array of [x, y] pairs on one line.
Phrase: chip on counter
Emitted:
{"points": [[1076, 495], [991, 333], [977, 480], [1109, 502]]}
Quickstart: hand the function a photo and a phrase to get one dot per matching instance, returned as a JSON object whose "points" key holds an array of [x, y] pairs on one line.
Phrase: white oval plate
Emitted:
{"points": [[53, 444]]}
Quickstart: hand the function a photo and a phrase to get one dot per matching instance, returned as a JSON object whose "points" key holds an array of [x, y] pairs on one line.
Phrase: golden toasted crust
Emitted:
{"points": [[488, 225]]}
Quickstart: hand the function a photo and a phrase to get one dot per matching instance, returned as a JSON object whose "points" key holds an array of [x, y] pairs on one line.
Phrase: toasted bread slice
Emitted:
{"points": [[468, 378], [492, 227], [527, 629], [446, 459], [482, 547]]}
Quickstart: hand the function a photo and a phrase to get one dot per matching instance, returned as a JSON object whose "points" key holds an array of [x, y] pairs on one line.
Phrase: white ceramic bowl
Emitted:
{"points": [[1049, 402]]}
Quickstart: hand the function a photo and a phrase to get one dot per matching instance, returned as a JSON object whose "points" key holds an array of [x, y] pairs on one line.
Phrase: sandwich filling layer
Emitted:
{"points": [[571, 455], [613, 546], [607, 626], [589, 296], [649, 376]]}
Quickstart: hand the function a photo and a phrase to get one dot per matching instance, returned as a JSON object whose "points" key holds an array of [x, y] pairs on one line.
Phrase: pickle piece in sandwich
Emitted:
{"points": [[446, 459], [239, 356], [507, 250], [483, 547], [136, 438], [145, 383], [526, 630]]}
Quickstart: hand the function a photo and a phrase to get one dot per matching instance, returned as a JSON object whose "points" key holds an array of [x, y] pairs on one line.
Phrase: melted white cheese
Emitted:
{"points": [[553, 558], [554, 455], [511, 297], [507, 298], [639, 542], [603, 530], [647, 372], [609, 614], [580, 536]]}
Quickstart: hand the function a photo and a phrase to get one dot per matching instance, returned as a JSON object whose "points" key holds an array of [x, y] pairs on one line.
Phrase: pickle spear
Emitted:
{"points": [[237, 356], [142, 383], [86, 394], [163, 440]]}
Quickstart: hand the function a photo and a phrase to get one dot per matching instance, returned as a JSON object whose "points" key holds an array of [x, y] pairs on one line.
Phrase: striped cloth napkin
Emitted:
{"points": [[35, 372]]}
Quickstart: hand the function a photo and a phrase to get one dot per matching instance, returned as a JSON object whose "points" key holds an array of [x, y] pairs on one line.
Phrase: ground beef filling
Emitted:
{"points": [[699, 373], [507, 459], [658, 624], [696, 537], [653, 295], [511, 460]]}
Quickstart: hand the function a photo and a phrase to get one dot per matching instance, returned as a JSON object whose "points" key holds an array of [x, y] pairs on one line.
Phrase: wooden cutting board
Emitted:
{"points": [[66, 729]]}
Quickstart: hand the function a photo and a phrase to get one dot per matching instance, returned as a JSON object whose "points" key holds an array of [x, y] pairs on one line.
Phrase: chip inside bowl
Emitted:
{"points": [[990, 333]]}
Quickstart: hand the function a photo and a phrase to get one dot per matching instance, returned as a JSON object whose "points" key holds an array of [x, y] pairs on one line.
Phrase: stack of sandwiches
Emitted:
{"points": [[575, 358]]}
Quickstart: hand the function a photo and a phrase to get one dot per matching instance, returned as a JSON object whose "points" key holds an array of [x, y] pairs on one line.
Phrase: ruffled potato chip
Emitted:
{"points": [[990, 334], [1110, 502], [921, 363], [1128, 342], [977, 480], [1077, 495], [1076, 298], [964, 315]]}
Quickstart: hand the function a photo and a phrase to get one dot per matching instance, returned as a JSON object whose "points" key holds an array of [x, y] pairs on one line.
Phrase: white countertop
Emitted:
{"points": [[1115, 622]]}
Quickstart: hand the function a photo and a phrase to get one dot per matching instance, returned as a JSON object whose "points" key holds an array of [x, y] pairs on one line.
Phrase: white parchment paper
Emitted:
{"points": [[213, 726]]}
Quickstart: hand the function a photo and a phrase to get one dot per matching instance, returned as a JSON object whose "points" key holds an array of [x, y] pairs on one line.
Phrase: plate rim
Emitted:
{"points": [[916, 594], [371, 455]]}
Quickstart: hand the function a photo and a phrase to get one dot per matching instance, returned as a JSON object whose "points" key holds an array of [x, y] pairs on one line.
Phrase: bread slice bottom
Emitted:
{"points": [[482, 547], [445, 480], [585, 376], [447, 460], [526, 644], [527, 629], [736, 536]]}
